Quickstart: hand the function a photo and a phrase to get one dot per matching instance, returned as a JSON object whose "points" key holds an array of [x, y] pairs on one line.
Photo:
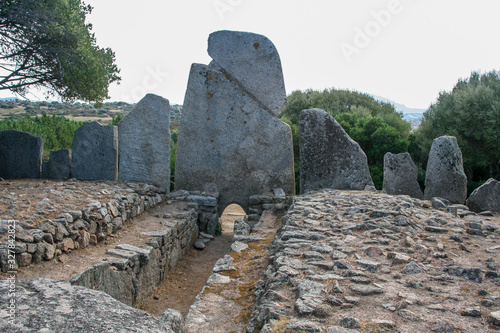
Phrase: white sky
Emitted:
{"points": [[421, 48]]}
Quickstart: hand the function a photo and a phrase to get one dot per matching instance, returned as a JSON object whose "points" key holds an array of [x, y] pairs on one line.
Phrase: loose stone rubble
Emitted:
{"points": [[329, 158], [445, 176], [370, 262]]}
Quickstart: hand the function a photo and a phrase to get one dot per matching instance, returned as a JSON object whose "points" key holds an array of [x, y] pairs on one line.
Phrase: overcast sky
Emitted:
{"points": [[405, 50]]}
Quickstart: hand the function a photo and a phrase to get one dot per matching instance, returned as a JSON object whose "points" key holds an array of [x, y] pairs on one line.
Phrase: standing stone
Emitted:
{"points": [[486, 197], [230, 140], [59, 166], [20, 154], [329, 158], [445, 171], [238, 53], [145, 142], [95, 152], [400, 176]]}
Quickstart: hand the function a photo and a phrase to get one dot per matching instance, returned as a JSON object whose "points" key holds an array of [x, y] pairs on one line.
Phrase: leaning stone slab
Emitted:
{"points": [[329, 158], [400, 176], [229, 142], [486, 197], [20, 154], [59, 166], [145, 142], [57, 306], [445, 176], [252, 61], [95, 152]]}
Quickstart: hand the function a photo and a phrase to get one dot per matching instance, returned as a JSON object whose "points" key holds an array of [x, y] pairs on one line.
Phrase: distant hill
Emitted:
{"points": [[9, 99], [411, 115]]}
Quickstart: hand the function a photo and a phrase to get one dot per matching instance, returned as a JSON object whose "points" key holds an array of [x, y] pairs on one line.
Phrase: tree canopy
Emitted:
{"points": [[46, 43], [471, 113]]}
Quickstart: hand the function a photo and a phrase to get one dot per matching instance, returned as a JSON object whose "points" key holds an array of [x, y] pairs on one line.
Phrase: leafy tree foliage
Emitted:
{"points": [[56, 132], [376, 126], [46, 43], [471, 113]]}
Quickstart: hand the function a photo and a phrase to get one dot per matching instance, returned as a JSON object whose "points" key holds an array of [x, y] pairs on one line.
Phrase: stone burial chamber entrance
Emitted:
{"points": [[230, 139]]}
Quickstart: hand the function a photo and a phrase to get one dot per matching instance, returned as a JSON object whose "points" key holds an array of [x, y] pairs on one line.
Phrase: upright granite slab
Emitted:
{"points": [[59, 166], [230, 140], [445, 177], [144, 143], [95, 152], [20, 154], [400, 176], [486, 197], [329, 158]]}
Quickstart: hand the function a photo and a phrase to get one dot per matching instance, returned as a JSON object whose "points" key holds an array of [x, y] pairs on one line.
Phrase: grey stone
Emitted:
{"points": [[238, 247], [65, 308], [329, 158], [202, 200], [45, 170], [20, 154], [253, 61], [228, 141], [349, 322], [59, 166], [411, 268], [241, 227], [445, 171], [199, 245], [494, 318], [144, 142], [224, 264], [365, 290], [173, 319], [338, 329], [95, 152], [400, 176], [302, 326], [486, 197]]}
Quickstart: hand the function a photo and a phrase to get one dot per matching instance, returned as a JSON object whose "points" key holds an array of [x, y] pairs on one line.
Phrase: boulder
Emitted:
{"points": [[59, 166], [229, 141], [486, 197], [329, 158], [445, 176], [144, 143], [20, 154], [95, 152], [65, 308], [400, 176]]}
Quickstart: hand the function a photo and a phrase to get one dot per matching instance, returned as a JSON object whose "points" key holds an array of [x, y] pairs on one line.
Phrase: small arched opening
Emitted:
{"points": [[231, 213]]}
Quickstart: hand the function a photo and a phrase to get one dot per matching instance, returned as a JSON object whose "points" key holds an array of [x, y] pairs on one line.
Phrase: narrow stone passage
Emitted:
{"points": [[179, 290], [226, 303]]}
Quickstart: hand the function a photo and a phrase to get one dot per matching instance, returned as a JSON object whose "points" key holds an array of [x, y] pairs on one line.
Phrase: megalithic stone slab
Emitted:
{"points": [[329, 158], [59, 166], [95, 152], [253, 61], [445, 177], [145, 142], [20, 154], [228, 143], [486, 197], [400, 176]]}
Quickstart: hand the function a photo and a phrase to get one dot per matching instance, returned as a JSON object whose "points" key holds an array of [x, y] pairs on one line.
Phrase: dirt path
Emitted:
{"points": [[187, 279]]}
